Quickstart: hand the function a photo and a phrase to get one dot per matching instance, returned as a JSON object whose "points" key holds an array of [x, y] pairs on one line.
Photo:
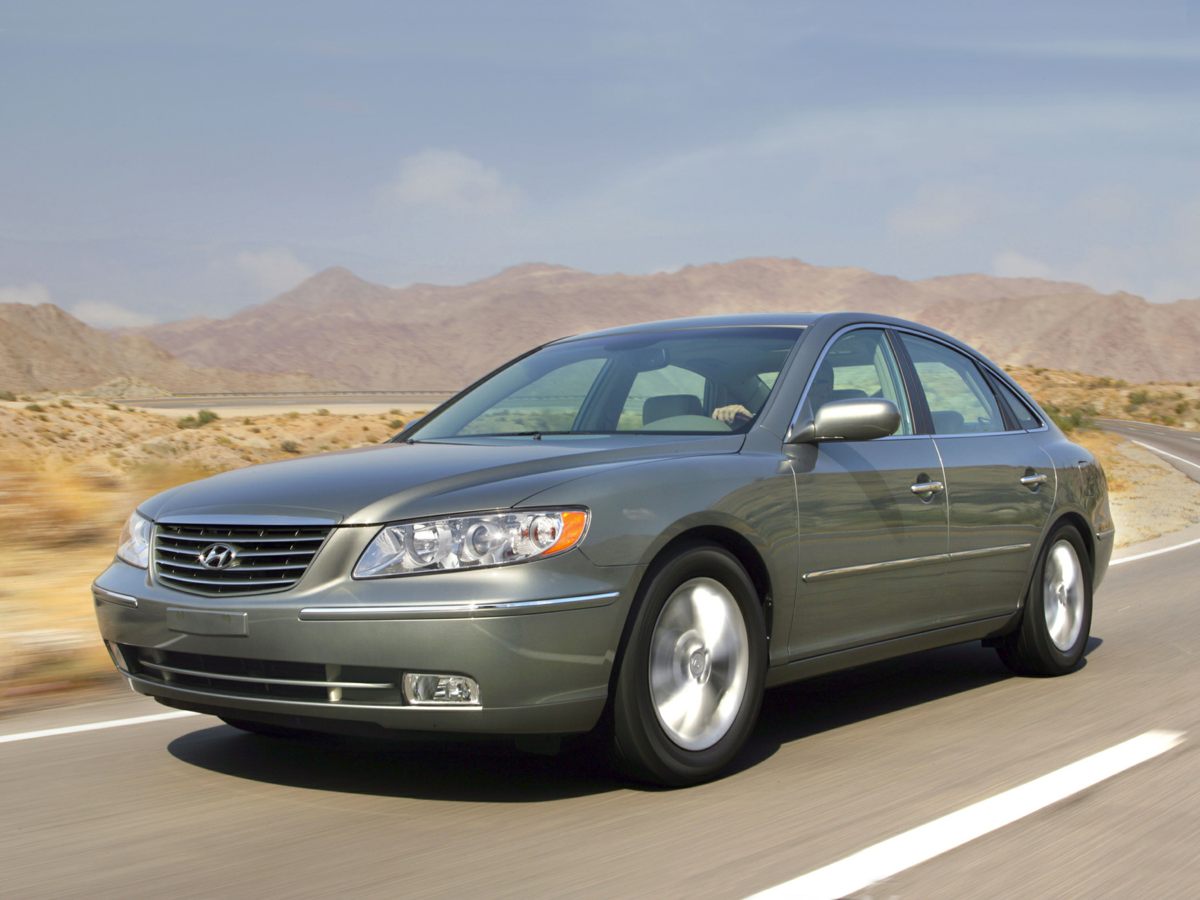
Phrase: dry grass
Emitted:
{"points": [[70, 474], [1091, 396]]}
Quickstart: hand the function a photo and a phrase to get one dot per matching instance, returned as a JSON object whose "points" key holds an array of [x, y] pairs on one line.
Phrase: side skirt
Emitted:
{"points": [[812, 666]]}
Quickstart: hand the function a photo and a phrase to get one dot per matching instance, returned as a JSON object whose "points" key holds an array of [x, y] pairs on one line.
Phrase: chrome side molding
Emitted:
{"points": [[452, 610], [913, 561]]}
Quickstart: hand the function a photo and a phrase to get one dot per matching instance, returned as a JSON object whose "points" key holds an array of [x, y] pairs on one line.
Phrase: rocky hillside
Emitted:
{"points": [[44, 348], [341, 328]]}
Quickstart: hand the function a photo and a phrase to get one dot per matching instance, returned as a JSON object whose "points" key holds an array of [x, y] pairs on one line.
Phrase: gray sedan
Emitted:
{"points": [[631, 533]]}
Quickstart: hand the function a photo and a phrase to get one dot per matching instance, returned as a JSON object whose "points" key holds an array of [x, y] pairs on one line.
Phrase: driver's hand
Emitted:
{"points": [[730, 414]]}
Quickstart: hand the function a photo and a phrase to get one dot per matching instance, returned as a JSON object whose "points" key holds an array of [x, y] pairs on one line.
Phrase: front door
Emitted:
{"points": [[872, 516]]}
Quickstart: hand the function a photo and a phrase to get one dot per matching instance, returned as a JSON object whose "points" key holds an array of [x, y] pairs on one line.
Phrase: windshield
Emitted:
{"points": [[696, 381]]}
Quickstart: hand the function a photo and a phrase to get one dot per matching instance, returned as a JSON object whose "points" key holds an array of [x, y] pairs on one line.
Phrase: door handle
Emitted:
{"points": [[1033, 480], [924, 488]]}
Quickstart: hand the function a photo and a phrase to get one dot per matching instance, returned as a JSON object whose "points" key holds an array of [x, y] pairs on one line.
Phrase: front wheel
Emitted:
{"points": [[1057, 618], [691, 680]]}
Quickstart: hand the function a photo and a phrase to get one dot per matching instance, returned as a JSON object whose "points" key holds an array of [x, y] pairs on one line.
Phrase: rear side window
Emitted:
{"points": [[959, 397], [1023, 415]]}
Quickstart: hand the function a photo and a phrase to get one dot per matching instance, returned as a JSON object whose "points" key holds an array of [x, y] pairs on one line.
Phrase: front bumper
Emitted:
{"points": [[540, 639]]}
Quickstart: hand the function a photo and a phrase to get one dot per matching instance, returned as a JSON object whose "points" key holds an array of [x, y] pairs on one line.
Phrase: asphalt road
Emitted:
{"points": [[1178, 447], [188, 807]]}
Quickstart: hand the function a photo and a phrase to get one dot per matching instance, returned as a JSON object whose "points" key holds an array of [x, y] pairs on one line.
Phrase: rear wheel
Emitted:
{"points": [[691, 680], [1057, 618]]}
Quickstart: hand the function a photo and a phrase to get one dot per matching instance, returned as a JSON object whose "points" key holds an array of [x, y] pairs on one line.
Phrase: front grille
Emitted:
{"points": [[264, 558], [264, 678]]}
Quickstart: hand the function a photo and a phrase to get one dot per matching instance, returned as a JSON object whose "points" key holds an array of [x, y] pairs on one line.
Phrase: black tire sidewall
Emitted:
{"points": [[641, 741], [1034, 624]]}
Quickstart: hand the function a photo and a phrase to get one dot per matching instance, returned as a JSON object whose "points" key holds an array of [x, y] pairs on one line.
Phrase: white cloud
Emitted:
{"points": [[1011, 264], [273, 270], [29, 294], [109, 315], [450, 181]]}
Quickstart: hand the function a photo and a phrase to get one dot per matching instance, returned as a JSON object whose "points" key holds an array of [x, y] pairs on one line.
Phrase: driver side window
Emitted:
{"points": [[860, 364]]}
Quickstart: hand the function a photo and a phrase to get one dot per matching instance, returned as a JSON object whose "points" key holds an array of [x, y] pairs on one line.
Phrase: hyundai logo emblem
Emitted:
{"points": [[217, 556]]}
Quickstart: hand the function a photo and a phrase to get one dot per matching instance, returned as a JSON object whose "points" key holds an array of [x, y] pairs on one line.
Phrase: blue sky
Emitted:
{"points": [[162, 160]]}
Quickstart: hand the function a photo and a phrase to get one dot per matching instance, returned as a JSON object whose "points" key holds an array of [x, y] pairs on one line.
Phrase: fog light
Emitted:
{"points": [[438, 690]]}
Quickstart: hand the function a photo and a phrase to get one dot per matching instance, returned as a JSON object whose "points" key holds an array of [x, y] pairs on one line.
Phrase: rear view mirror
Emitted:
{"points": [[648, 359], [848, 420]]}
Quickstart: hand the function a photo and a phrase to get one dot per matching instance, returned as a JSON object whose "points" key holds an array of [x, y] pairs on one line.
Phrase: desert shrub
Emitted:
{"points": [[35, 407], [1138, 398], [289, 447], [1071, 419], [199, 420], [396, 423], [66, 404], [113, 406], [322, 411], [9, 396], [292, 415]]}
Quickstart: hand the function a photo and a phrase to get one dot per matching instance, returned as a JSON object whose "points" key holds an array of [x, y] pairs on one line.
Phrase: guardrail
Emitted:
{"points": [[183, 395], [216, 395]]}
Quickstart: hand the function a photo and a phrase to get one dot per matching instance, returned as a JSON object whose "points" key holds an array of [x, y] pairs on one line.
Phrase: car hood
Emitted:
{"points": [[398, 481]]}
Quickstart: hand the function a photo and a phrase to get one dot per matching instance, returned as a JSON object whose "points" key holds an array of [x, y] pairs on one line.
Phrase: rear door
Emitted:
{"points": [[1000, 484], [872, 548]]}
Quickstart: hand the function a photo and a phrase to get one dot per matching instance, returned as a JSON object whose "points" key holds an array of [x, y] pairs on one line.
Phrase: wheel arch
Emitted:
{"points": [[743, 551], [729, 539], [1071, 517]]}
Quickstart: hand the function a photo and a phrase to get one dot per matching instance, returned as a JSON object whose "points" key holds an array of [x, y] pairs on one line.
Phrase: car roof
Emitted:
{"points": [[761, 320]]}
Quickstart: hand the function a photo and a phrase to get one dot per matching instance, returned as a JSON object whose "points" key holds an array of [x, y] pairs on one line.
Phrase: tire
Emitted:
{"points": [[1057, 618], [690, 681], [265, 730]]}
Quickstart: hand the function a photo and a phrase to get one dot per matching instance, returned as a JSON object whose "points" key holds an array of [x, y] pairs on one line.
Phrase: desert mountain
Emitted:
{"points": [[344, 329], [44, 348]]}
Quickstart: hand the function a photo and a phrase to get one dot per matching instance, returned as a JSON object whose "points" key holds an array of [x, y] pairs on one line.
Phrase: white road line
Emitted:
{"points": [[94, 726], [1165, 453], [883, 860], [1149, 553]]}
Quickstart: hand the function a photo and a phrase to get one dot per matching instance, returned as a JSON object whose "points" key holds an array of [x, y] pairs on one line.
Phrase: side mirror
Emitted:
{"points": [[848, 420]]}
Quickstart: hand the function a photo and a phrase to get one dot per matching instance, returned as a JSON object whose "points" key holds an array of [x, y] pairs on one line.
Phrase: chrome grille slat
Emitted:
{"points": [[191, 552], [285, 681], [227, 582], [175, 564], [293, 682], [234, 538], [268, 558]]}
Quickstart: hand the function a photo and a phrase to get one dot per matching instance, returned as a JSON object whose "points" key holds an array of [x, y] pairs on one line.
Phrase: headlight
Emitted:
{"points": [[469, 542], [134, 547]]}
